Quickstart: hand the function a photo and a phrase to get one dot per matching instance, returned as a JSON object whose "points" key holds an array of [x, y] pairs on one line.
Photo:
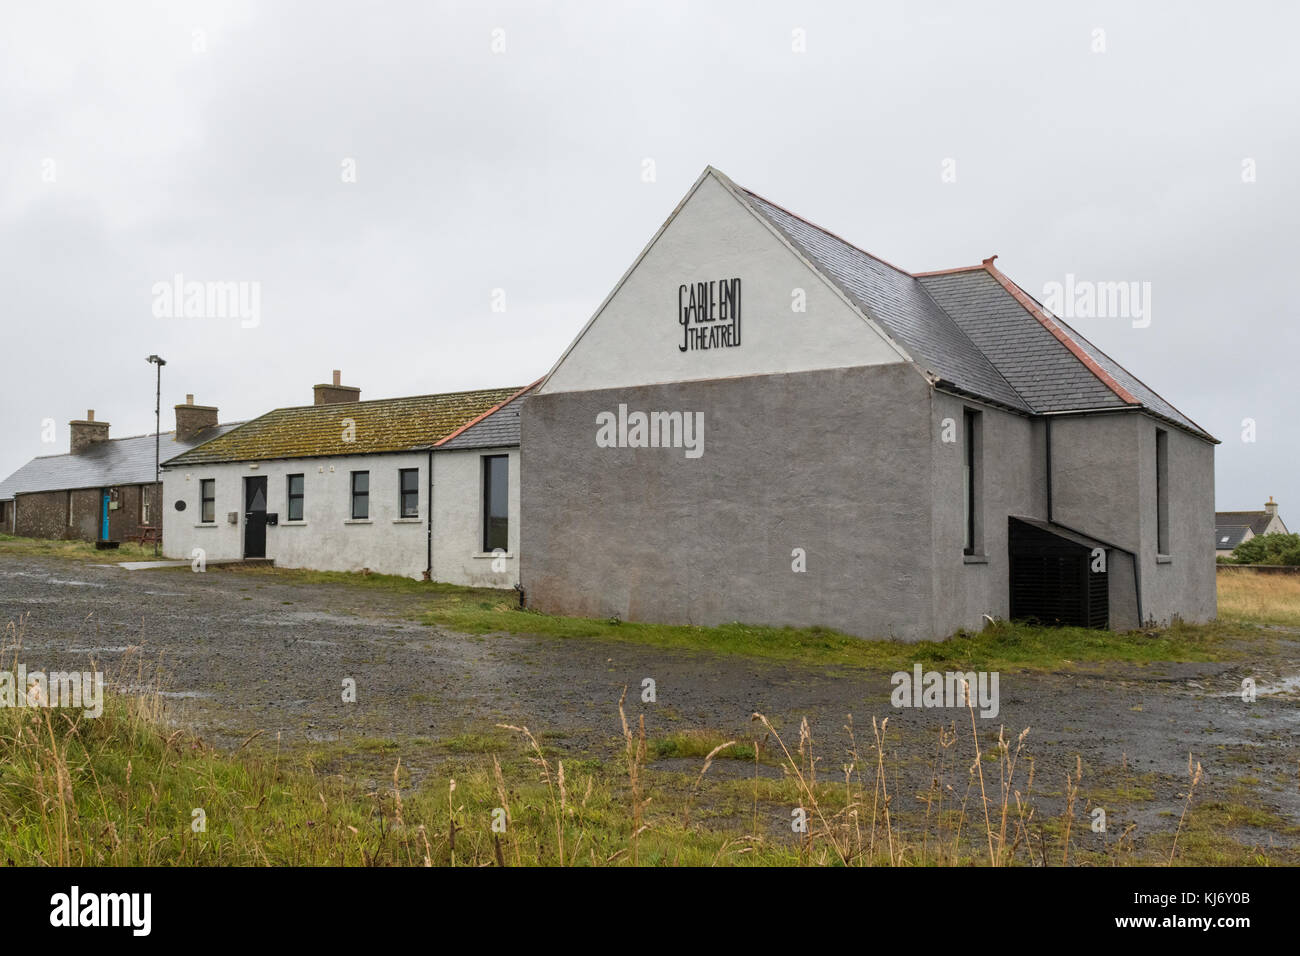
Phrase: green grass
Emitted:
{"points": [[1003, 646], [128, 790], [123, 790], [699, 744], [75, 550]]}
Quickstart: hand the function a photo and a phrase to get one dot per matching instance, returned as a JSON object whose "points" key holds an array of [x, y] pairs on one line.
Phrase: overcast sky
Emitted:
{"points": [[217, 141]]}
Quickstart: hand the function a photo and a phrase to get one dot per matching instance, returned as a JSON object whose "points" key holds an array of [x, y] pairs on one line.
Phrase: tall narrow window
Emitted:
{"points": [[972, 480], [207, 499], [496, 507], [360, 494], [1162, 491], [293, 497], [408, 492]]}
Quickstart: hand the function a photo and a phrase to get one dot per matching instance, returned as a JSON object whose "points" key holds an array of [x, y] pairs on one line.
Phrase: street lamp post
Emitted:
{"points": [[157, 435]]}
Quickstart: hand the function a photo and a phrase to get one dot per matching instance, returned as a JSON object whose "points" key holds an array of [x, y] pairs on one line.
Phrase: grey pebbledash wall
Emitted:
{"points": [[1103, 477], [849, 465], [835, 462]]}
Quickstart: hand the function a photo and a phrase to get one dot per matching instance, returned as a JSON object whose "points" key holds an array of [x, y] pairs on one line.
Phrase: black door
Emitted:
{"points": [[255, 517]]}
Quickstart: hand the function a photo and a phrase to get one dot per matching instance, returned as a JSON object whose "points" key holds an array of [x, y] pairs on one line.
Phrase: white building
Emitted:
{"points": [[424, 487]]}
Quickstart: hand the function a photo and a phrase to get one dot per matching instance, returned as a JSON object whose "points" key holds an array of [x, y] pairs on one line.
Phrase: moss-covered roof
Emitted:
{"points": [[349, 428]]}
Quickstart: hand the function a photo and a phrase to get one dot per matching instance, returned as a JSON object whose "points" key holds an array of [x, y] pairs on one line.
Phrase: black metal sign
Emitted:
{"points": [[709, 314]]}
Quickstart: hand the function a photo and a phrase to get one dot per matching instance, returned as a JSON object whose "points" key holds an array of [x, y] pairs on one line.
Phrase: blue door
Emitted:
{"points": [[103, 521]]}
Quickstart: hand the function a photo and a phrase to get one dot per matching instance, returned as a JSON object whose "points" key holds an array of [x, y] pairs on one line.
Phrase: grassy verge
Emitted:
{"points": [[74, 550], [1005, 645], [125, 790]]}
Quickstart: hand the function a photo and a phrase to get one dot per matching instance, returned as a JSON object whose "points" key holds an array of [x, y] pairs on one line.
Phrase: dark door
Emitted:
{"points": [[255, 517]]}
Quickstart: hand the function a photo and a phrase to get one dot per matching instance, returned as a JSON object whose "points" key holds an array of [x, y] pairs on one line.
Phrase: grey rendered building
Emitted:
{"points": [[763, 423]]}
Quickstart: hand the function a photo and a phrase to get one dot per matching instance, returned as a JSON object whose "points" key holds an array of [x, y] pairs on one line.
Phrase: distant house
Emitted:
{"points": [[425, 487], [103, 488], [1232, 528]]}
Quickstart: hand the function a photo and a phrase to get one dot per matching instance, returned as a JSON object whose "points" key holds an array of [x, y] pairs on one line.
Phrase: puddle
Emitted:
{"points": [[1287, 685], [1282, 687], [119, 649]]}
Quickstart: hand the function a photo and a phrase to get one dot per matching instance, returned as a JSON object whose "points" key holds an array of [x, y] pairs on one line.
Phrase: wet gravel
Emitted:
{"points": [[243, 652]]}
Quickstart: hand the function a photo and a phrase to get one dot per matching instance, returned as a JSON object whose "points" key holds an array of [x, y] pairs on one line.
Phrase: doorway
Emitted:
{"points": [[255, 517]]}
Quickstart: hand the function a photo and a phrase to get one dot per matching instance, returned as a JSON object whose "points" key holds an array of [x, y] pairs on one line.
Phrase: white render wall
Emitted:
{"points": [[327, 539], [633, 340], [458, 521]]}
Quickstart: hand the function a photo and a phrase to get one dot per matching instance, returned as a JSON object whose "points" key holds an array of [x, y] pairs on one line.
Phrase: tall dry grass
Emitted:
{"points": [[1259, 597], [124, 789]]}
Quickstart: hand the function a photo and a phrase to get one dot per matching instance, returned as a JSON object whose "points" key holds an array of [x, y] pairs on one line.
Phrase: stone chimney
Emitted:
{"points": [[86, 432], [335, 393], [192, 419], [1270, 506]]}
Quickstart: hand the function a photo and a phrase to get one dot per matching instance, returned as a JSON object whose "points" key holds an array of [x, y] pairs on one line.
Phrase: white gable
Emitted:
{"points": [[714, 295]]}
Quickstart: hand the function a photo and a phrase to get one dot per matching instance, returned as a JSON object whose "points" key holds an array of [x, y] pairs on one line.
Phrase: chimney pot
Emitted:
{"points": [[338, 377], [1270, 506], [90, 414], [189, 398]]}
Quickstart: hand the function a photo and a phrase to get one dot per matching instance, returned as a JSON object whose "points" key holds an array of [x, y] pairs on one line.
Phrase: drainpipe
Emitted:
{"points": [[1049, 471], [428, 568]]}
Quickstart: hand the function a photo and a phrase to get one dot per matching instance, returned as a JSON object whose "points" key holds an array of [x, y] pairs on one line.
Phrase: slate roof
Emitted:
{"points": [[1233, 525], [499, 429], [1228, 535], [974, 330], [381, 425], [105, 464], [1049, 378], [899, 303]]}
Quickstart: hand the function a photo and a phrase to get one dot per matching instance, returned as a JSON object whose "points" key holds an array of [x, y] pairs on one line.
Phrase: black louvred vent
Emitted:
{"points": [[1052, 581]]}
